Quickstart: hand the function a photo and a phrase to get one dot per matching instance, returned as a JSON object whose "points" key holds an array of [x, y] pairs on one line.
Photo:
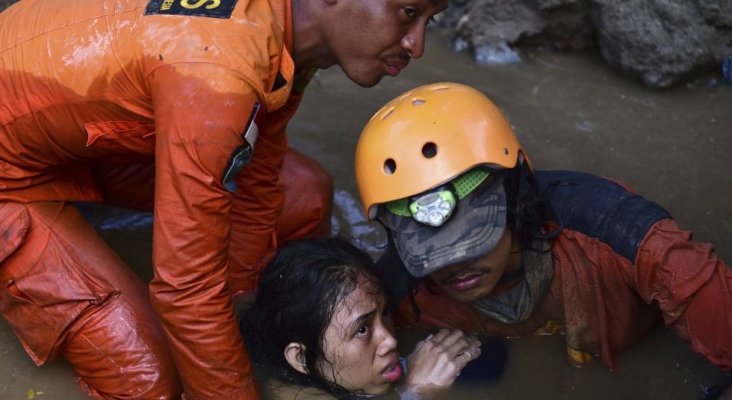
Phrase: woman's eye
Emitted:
{"points": [[431, 20], [410, 12], [362, 330]]}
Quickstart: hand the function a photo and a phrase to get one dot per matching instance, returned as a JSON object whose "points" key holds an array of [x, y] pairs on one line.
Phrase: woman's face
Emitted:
{"points": [[360, 347]]}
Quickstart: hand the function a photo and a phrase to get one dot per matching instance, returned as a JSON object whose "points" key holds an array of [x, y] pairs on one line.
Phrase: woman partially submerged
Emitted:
{"points": [[320, 327]]}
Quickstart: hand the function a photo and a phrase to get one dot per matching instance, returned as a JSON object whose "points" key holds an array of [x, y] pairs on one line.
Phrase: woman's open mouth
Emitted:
{"points": [[393, 372]]}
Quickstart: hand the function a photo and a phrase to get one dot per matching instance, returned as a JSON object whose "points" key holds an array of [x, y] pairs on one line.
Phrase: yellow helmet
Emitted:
{"points": [[427, 137]]}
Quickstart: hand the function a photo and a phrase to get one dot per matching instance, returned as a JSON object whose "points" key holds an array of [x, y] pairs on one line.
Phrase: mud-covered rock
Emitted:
{"points": [[564, 24], [657, 41], [663, 41]]}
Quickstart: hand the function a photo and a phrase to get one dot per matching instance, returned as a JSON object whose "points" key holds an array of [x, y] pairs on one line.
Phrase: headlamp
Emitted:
{"points": [[433, 208]]}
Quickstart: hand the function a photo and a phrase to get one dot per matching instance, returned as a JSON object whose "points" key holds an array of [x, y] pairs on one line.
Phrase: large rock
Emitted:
{"points": [[658, 41]]}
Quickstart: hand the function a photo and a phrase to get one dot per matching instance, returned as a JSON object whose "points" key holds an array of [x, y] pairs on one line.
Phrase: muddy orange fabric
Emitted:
{"points": [[65, 292], [307, 192], [605, 303], [90, 87]]}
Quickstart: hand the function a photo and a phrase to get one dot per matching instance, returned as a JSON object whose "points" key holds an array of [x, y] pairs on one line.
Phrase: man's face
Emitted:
{"points": [[474, 279], [374, 38]]}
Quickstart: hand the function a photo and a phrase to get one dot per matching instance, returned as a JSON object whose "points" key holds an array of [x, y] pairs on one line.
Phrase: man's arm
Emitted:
{"points": [[255, 211], [688, 281], [200, 113]]}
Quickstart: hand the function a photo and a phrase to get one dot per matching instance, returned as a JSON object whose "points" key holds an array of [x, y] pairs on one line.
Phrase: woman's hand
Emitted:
{"points": [[437, 360]]}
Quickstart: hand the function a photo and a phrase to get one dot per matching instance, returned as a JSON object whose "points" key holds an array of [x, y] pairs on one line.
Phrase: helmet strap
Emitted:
{"points": [[520, 186]]}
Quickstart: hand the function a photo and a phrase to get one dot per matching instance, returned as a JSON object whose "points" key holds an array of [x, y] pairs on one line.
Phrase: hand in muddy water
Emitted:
{"points": [[489, 366], [438, 360]]}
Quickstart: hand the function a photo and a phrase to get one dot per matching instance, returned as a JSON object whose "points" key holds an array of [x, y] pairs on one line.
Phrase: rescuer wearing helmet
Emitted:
{"points": [[482, 242], [104, 101]]}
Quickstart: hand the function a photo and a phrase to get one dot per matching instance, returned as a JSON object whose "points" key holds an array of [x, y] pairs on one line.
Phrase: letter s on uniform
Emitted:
{"points": [[199, 3]]}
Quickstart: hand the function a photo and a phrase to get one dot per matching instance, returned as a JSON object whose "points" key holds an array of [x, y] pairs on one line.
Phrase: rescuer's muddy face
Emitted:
{"points": [[474, 279]]}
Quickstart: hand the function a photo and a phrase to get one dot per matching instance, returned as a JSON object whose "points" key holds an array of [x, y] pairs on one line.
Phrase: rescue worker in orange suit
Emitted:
{"points": [[482, 242], [104, 101]]}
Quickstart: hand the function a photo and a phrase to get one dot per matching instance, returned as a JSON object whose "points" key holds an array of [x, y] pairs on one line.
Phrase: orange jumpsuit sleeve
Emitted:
{"points": [[256, 210], [201, 110]]}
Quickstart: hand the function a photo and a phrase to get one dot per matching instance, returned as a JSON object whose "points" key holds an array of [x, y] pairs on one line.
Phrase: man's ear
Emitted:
{"points": [[295, 356]]}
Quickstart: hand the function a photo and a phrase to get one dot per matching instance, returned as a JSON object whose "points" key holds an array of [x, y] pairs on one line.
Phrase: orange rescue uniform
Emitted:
{"points": [[104, 101]]}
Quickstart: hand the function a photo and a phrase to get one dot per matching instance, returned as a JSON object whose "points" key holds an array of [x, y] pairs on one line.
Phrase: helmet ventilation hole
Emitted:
{"points": [[418, 102], [505, 150], [389, 166], [429, 150], [388, 113], [438, 88]]}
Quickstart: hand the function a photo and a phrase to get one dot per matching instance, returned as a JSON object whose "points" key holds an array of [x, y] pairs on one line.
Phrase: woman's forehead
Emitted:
{"points": [[365, 298]]}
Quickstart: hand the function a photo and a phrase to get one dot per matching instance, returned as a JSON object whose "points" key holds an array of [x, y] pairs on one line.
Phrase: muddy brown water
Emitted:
{"points": [[571, 112]]}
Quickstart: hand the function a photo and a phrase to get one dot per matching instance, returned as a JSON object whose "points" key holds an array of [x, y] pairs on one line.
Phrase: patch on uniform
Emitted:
{"points": [[199, 8], [242, 154]]}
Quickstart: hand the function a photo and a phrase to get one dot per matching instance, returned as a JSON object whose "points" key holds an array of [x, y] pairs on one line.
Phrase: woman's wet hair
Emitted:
{"points": [[296, 298]]}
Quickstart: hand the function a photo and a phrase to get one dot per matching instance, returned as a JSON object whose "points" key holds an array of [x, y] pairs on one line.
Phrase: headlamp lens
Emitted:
{"points": [[436, 206], [433, 208]]}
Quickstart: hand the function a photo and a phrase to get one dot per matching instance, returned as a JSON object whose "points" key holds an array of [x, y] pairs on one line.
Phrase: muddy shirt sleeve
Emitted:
{"points": [[688, 282], [200, 113]]}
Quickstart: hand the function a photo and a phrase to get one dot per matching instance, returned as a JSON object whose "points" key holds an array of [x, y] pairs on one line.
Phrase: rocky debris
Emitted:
{"points": [[658, 41]]}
